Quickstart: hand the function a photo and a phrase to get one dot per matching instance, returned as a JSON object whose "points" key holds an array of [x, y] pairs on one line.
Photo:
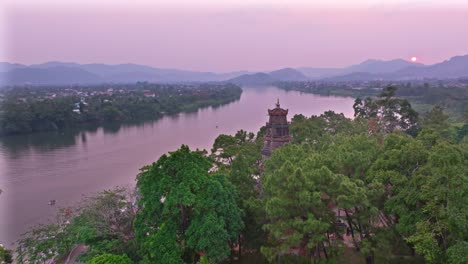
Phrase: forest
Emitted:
{"points": [[34, 109], [388, 186]]}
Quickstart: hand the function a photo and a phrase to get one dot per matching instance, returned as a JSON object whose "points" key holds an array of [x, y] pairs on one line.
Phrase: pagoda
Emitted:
{"points": [[277, 130]]}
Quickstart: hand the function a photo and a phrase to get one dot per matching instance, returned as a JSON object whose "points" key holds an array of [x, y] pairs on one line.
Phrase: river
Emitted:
{"points": [[66, 166]]}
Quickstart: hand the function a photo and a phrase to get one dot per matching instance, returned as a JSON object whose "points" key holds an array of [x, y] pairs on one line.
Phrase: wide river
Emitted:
{"points": [[65, 166]]}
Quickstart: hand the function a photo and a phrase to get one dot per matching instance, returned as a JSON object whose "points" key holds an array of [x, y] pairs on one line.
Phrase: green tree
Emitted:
{"points": [[298, 190], [388, 112], [5, 255], [426, 196], [110, 259], [185, 211], [105, 223], [436, 120]]}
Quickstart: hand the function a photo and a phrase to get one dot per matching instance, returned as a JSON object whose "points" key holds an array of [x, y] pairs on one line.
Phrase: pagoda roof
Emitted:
{"points": [[278, 111]]}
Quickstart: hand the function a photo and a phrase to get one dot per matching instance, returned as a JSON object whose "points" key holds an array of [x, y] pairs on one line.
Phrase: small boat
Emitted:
{"points": [[52, 202]]}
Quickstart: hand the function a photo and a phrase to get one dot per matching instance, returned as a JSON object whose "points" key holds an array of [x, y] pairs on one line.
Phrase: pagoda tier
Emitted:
{"points": [[277, 130]]}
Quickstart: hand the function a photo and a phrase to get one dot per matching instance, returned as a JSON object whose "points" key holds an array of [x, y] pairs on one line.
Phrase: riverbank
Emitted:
{"points": [[36, 109]]}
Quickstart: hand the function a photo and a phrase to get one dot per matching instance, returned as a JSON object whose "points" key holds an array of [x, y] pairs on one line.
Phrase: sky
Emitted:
{"points": [[230, 35]]}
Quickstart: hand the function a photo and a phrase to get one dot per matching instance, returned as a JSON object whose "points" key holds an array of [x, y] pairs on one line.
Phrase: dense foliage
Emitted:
{"points": [[185, 211], [110, 259], [387, 113], [368, 189], [32, 109], [5, 255]]}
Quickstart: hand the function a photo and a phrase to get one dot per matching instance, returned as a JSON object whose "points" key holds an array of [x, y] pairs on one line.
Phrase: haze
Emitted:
{"points": [[227, 36]]}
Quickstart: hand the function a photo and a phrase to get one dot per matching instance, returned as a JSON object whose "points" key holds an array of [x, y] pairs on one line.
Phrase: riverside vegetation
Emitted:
{"points": [[33, 109], [398, 179], [450, 95]]}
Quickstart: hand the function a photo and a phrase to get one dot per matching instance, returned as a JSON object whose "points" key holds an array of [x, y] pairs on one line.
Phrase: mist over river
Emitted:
{"points": [[67, 165]]}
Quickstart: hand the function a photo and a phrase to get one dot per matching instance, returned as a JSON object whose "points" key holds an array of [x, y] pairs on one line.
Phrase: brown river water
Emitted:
{"points": [[65, 166]]}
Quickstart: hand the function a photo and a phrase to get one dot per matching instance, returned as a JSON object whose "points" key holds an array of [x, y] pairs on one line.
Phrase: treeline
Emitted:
{"points": [[453, 99], [385, 187], [26, 110]]}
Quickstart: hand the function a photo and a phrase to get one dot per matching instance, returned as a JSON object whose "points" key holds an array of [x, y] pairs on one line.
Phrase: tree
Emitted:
{"points": [[317, 130], [226, 147], [185, 211], [388, 112], [444, 205], [426, 195], [437, 121], [300, 192], [105, 223], [110, 259], [5, 255], [353, 156]]}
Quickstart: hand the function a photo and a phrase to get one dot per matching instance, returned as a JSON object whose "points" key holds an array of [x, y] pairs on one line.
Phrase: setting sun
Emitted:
{"points": [[414, 59]]}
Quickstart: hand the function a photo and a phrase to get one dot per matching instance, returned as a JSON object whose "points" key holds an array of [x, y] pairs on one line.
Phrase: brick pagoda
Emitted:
{"points": [[277, 130]]}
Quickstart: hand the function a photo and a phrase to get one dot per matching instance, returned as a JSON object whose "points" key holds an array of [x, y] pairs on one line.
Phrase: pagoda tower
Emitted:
{"points": [[277, 130]]}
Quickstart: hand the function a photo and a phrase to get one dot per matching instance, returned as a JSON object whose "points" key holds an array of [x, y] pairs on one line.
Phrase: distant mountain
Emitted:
{"points": [[288, 74], [381, 66], [368, 66], [54, 64], [455, 67], [259, 78], [317, 73], [100, 73], [355, 76], [56, 72], [6, 66], [52, 75]]}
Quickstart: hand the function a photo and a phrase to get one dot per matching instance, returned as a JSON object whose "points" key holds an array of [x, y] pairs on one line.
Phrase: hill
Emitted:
{"points": [[55, 72], [53, 75], [288, 74], [259, 78], [368, 66]]}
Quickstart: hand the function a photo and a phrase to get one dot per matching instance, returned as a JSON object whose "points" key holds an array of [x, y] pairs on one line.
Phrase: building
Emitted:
{"points": [[277, 130]]}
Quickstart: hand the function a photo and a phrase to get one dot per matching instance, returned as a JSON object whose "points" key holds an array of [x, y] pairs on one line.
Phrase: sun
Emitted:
{"points": [[414, 59]]}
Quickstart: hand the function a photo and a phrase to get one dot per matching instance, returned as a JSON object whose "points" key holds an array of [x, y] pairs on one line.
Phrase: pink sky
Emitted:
{"points": [[209, 36]]}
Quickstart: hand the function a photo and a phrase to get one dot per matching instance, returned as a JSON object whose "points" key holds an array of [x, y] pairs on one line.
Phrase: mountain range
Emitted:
{"points": [[74, 73]]}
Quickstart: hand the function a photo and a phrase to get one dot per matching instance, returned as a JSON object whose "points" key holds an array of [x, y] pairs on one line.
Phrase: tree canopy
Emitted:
{"points": [[185, 211]]}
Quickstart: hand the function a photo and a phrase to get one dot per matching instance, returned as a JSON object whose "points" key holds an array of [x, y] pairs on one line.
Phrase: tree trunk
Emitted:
{"points": [[359, 224], [350, 224], [239, 241], [325, 251], [370, 259]]}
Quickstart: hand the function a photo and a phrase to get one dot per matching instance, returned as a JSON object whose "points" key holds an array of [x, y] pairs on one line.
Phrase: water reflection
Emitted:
{"points": [[42, 142], [111, 128]]}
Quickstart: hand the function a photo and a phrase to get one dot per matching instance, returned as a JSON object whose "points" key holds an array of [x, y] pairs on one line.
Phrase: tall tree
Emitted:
{"points": [[387, 112], [300, 194], [185, 211]]}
